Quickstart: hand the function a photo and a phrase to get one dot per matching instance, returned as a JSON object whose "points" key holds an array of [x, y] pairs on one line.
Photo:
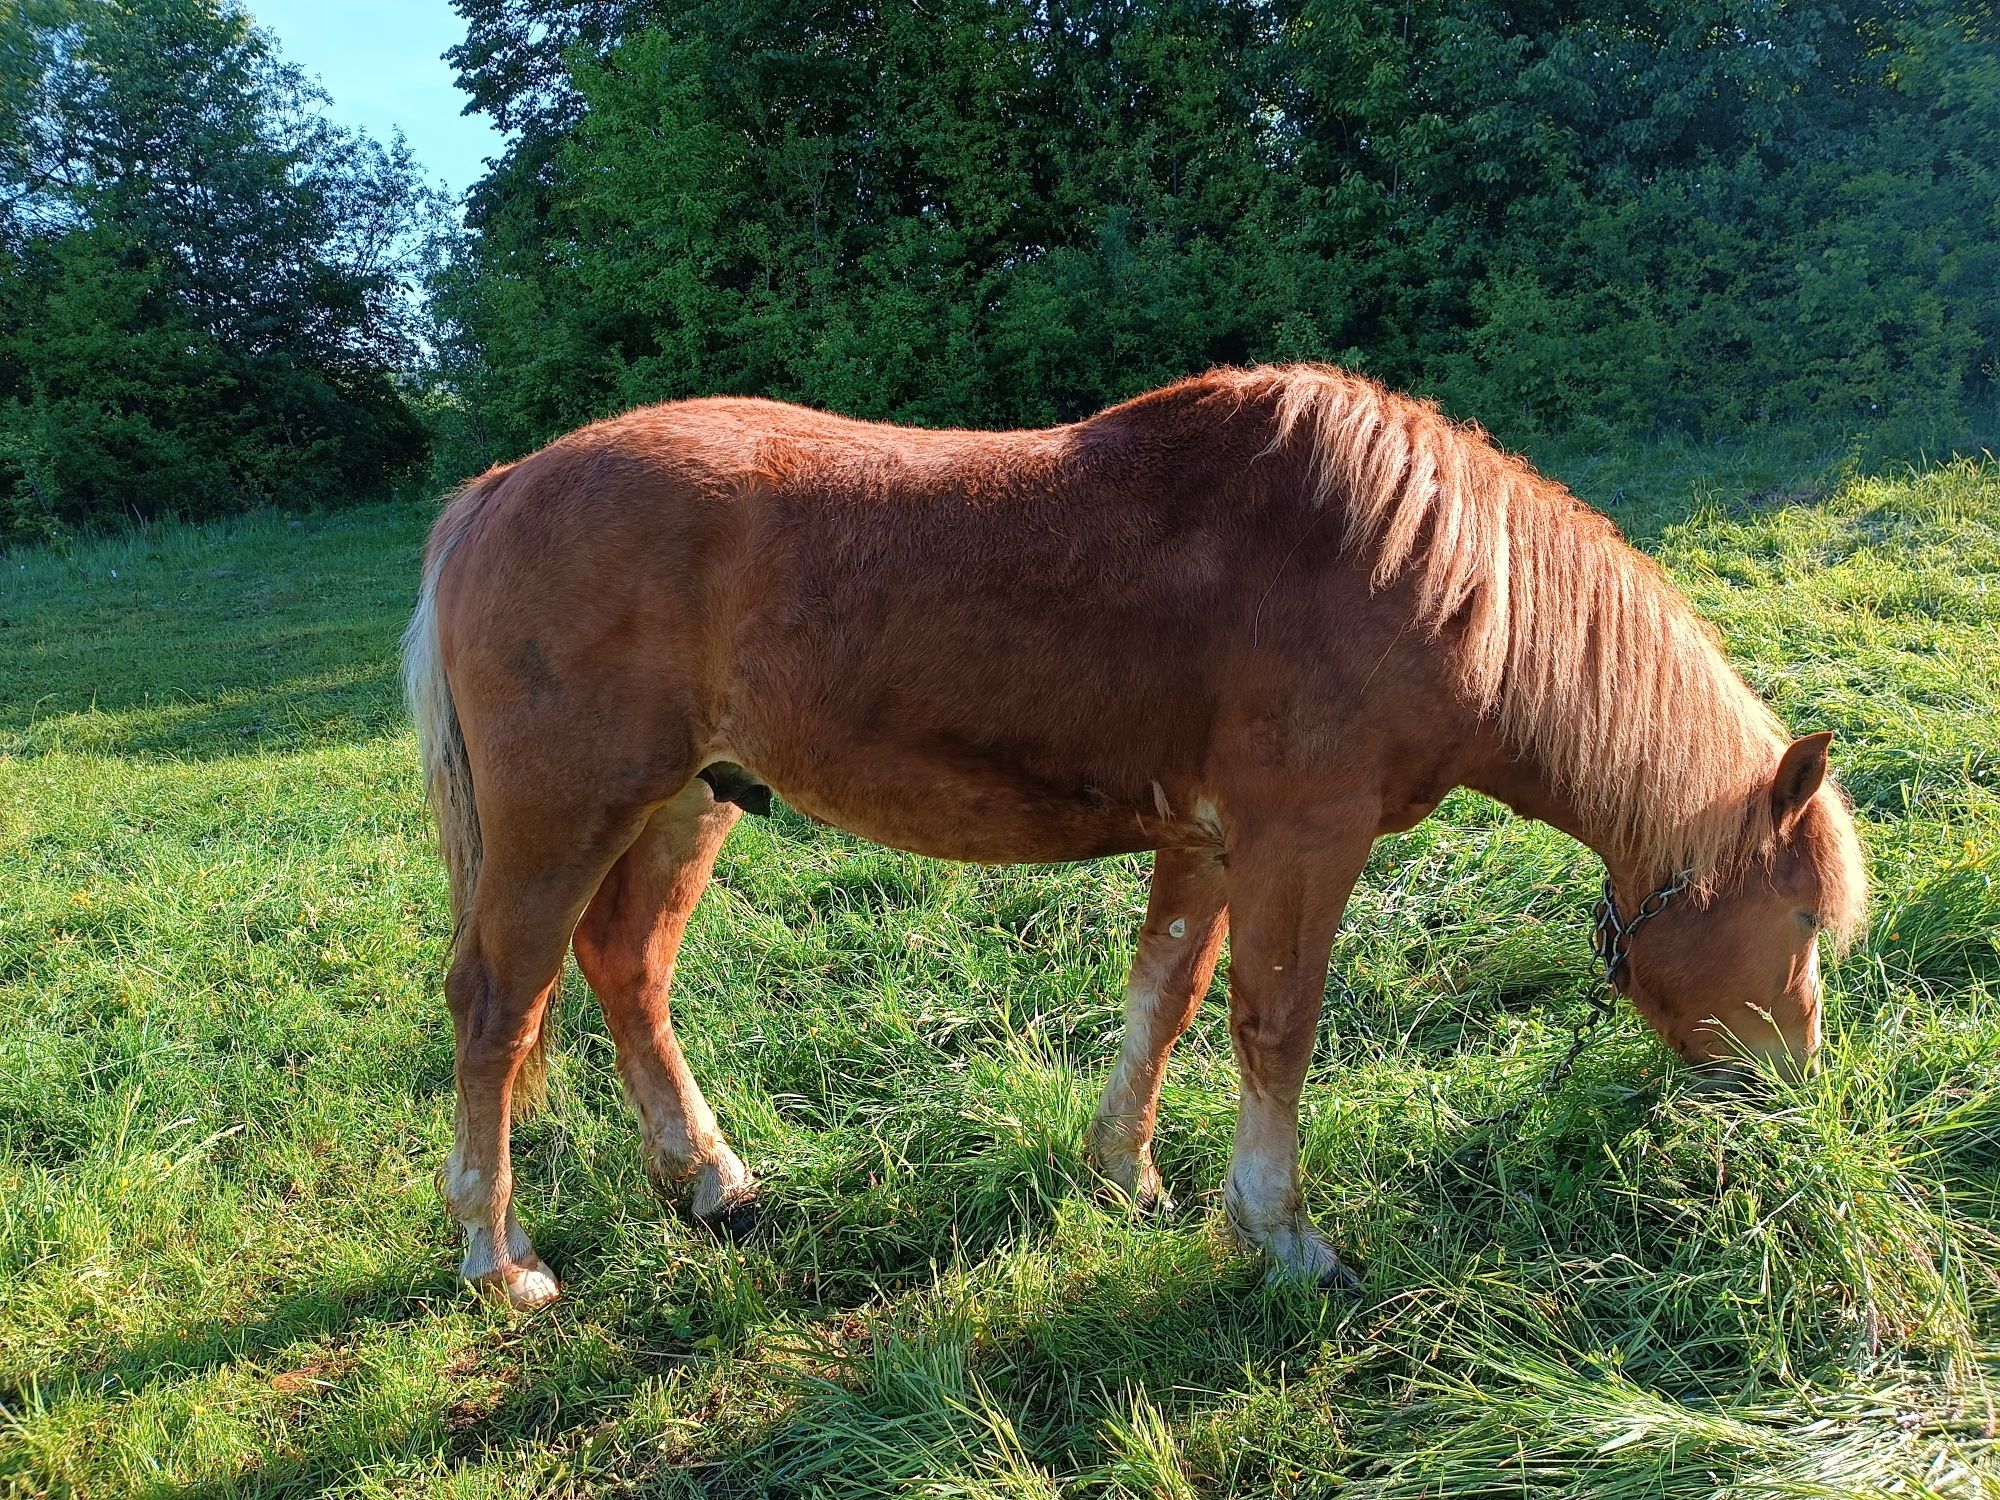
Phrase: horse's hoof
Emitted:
{"points": [[532, 1288], [1341, 1277], [1158, 1204], [1304, 1257], [736, 1220], [523, 1288], [1132, 1183], [721, 1188], [1151, 1199], [1333, 1275], [1148, 1201]]}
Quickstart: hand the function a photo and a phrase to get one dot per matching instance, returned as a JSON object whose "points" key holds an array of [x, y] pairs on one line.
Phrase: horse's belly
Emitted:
{"points": [[933, 807]]}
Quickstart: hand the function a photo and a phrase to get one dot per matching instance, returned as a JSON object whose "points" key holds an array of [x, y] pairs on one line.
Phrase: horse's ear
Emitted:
{"points": [[1800, 771]]}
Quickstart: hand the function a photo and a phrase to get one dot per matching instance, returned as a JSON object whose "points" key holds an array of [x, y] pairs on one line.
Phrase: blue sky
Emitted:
{"points": [[382, 61]]}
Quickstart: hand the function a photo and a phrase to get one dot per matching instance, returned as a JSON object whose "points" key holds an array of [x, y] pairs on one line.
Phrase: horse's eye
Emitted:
{"points": [[1810, 921]]}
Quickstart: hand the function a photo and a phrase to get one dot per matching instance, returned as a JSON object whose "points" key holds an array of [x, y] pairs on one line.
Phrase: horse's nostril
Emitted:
{"points": [[1723, 1076], [1743, 1072]]}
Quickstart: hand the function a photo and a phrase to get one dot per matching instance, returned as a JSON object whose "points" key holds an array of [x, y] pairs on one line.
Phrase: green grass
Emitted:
{"points": [[225, 1076]]}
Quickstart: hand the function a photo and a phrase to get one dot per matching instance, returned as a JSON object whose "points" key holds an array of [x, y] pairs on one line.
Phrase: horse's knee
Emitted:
{"points": [[468, 991]]}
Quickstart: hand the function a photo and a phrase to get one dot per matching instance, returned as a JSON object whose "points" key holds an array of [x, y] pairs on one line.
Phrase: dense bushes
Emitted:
{"points": [[203, 302], [1687, 216]]}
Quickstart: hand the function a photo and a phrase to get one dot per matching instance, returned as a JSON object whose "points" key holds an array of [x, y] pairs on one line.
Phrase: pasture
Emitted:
{"points": [[225, 1087]]}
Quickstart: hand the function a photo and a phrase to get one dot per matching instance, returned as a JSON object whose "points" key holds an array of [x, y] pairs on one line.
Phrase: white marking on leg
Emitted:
{"points": [[1177, 928], [721, 1183], [679, 1138], [1261, 1191], [469, 1197], [1261, 1197], [1120, 1142], [665, 1140], [1142, 1000], [506, 1260]]}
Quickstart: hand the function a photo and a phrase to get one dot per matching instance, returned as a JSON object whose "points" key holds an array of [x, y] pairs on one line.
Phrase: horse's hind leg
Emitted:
{"points": [[626, 945], [1178, 945], [508, 961]]}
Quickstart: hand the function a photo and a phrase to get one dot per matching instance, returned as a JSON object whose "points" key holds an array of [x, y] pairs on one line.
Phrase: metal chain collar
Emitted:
{"points": [[1610, 938]]}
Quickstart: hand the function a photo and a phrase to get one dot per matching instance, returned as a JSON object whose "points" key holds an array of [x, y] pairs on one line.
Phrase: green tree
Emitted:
{"points": [[207, 286]]}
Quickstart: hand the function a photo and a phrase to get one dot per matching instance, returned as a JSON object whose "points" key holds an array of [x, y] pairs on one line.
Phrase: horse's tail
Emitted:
{"points": [[441, 744]]}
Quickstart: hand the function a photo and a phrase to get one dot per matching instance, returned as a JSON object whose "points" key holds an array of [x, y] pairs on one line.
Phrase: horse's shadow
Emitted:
{"points": [[318, 1311]]}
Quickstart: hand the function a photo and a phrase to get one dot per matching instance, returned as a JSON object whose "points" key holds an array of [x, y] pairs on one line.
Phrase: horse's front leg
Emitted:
{"points": [[1178, 945], [1288, 882]]}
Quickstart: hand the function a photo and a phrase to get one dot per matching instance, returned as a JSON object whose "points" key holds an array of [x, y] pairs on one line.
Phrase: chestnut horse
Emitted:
{"points": [[1250, 622]]}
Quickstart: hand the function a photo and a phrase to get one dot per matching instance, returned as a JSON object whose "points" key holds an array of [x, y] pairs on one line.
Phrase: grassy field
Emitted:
{"points": [[225, 1077]]}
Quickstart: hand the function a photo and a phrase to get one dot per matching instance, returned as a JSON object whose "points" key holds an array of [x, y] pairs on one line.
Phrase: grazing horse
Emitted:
{"points": [[1251, 622]]}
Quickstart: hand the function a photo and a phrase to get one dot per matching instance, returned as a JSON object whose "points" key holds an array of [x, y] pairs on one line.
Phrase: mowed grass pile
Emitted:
{"points": [[225, 1085]]}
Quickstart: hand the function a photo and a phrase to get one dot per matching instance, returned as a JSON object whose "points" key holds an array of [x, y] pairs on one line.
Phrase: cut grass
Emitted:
{"points": [[225, 1080]]}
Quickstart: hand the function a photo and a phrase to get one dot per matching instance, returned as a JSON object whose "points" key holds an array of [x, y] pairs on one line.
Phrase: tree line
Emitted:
{"points": [[1630, 217]]}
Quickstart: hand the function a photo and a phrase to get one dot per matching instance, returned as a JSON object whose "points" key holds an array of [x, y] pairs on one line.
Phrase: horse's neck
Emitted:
{"points": [[1672, 791], [1528, 791], [1531, 792]]}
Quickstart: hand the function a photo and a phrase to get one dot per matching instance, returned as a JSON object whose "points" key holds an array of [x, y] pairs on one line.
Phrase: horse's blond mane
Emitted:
{"points": [[1592, 663]]}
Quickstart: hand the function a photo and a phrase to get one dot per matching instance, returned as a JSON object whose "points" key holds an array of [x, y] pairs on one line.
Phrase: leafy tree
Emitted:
{"points": [[206, 284]]}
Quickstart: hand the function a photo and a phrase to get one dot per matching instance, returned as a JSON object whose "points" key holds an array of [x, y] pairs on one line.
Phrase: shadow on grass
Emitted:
{"points": [[1185, 1319], [147, 647], [235, 709], [319, 1311], [894, 1360]]}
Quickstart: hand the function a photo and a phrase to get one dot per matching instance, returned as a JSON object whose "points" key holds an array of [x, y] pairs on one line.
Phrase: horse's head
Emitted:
{"points": [[1738, 972]]}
